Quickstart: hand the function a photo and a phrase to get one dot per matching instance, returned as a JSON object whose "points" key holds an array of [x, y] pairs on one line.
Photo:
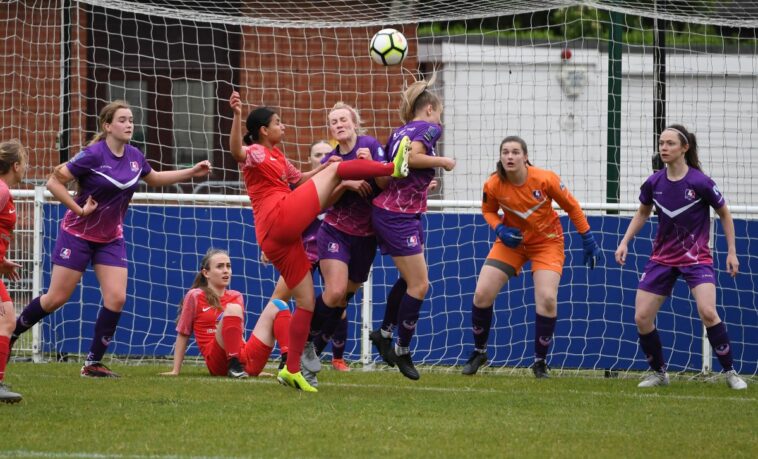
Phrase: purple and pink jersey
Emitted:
{"points": [[352, 213], [111, 181], [310, 239], [683, 216], [408, 195]]}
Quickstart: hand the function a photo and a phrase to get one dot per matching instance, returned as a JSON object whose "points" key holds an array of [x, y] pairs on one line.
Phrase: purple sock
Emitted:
{"points": [[393, 305], [407, 318], [320, 312], [543, 335], [105, 328], [31, 314], [338, 339], [331, 322], [481, 322], [719, 339], [651, 346]]}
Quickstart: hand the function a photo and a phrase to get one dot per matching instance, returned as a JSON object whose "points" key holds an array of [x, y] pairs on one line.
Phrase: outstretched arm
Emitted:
{"points": [[158, 179], [180, 349], [638, 221], [418, 158], [732, 264]]}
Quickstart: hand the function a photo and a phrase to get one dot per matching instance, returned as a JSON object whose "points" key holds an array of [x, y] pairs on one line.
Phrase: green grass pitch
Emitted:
{"points": [[370, 414]]}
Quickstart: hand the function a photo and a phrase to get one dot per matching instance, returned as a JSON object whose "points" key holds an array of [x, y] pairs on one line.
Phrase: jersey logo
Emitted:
{"points": [[716, 190], [689, 194], [525, 215], [65, 253], [537, 195], [380, 153], [116, 183], [674, 213], [206, 309], [134, 165], [412, 241], [333, 247]]}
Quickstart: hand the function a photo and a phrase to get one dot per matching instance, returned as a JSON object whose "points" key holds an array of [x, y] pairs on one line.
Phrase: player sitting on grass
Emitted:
{"points": [[215, 314]]}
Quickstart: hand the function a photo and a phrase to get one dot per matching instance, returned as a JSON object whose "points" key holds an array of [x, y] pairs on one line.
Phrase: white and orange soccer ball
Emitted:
{"points": [[388, 47]]}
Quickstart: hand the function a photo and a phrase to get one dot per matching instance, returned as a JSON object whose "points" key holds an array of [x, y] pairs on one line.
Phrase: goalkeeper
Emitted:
{"points": [[529, 230]]}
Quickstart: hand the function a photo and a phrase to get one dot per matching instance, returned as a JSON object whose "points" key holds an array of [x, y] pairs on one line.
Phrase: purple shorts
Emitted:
{"points": [[660, 279], [76, 253], [398, 234], [357, 252]]}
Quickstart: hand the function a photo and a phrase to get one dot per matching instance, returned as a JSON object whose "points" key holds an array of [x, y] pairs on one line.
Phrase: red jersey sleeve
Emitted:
{"points": [[254, 155], [293, 173], [189, 312], [560, 194], [490, 205]]}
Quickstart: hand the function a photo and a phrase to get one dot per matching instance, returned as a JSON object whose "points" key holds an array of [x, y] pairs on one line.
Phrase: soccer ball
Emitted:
{"points": [[388, 47]]}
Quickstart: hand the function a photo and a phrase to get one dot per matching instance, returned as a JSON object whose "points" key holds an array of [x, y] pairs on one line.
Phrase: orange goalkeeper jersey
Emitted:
{"points": [[528, 207]]}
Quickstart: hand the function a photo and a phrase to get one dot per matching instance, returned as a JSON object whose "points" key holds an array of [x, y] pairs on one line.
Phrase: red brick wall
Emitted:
{"points": [[304, 72], [30, 80]]}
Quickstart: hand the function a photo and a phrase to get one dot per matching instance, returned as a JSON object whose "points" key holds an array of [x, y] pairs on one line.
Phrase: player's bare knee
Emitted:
{"points": [[233, 309], [334, 297], [643, 320], [419, 289], [483, 300], [709, 316]]}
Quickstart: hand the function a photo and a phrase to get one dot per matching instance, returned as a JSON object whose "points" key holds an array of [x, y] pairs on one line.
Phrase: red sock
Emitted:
{"points": [[231, 331], [4, 352], [363, 169], [282, 330], [300, 325]]}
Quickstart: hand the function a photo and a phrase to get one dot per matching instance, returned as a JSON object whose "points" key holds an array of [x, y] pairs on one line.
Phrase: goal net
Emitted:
{"points": [[579, 81]]}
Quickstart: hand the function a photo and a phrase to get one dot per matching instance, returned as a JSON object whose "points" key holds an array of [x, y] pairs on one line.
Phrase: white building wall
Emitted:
{"points": [[490, 92]]}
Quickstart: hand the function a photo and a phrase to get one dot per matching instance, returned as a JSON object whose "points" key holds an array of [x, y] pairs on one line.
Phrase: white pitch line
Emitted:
{"points": [[55, 454]]}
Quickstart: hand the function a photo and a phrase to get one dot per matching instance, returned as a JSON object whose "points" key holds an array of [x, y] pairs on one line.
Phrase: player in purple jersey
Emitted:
{"points": [[108, 171], [397, 221], [346, 242], [682, 195]]}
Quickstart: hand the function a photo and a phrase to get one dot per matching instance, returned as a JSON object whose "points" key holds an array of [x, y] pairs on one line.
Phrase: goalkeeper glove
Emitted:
{"points": [[591, 250], [511, 237]]}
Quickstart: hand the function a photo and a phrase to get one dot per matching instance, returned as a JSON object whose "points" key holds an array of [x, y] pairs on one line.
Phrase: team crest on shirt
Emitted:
{"points": [[65, 253], [689, 194], [537, 195], [134, 166], [333, 247], [412, 241]]}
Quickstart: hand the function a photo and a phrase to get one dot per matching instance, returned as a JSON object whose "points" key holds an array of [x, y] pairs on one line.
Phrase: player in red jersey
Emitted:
{"points": [[215, 315], [282, 214], [13, 164]]}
